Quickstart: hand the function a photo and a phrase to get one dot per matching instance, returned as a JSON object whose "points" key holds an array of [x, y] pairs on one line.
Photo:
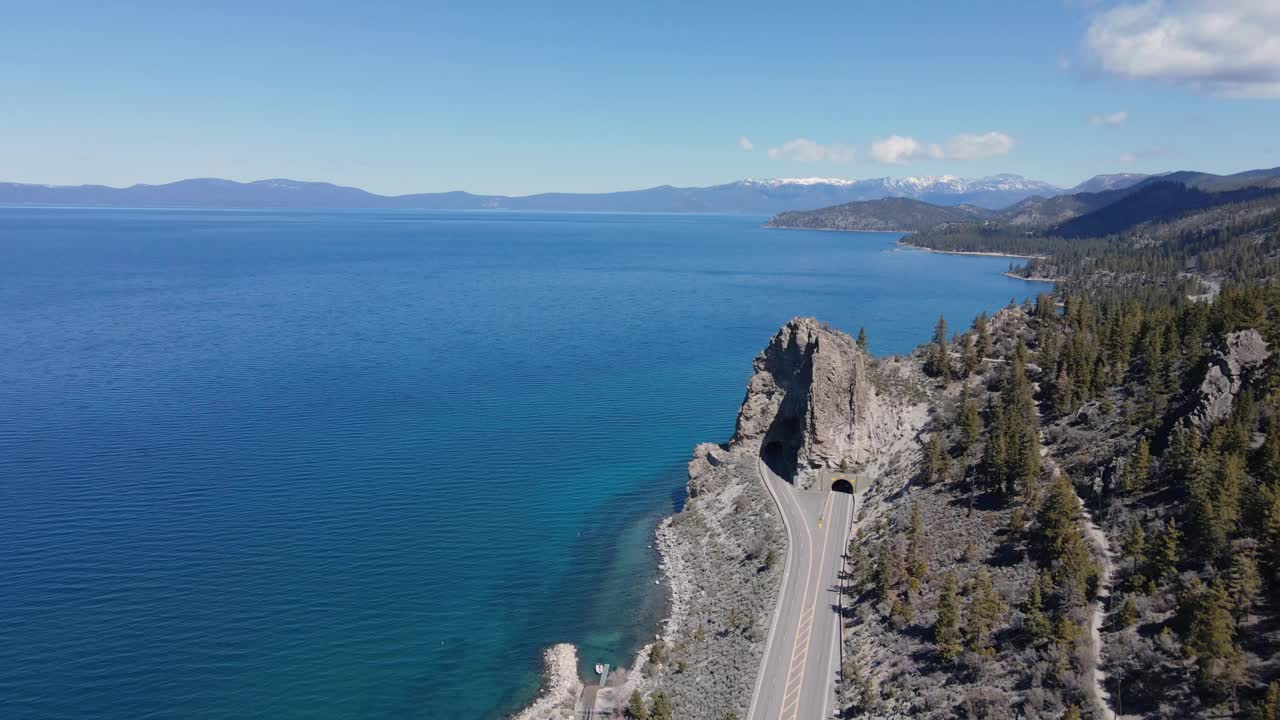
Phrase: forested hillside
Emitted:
{"points": [[1112, 453], [901, 214]]}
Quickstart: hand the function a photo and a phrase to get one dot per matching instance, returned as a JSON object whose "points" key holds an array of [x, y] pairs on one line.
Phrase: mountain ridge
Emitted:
{"points": [[1127, 201], [749, 197]]}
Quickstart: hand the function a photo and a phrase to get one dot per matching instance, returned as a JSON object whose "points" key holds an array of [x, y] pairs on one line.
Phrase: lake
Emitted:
{"points": [[369, 464]]}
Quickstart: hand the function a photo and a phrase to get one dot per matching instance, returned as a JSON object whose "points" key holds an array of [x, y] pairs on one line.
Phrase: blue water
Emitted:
{"points": [[368, 464]]}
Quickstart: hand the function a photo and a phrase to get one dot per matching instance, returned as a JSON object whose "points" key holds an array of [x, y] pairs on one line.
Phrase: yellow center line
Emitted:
{"points": [[811, 609], [804, 600]]}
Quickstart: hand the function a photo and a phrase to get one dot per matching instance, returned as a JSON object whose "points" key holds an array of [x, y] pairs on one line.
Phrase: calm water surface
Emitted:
{"points": [[368, 464]]}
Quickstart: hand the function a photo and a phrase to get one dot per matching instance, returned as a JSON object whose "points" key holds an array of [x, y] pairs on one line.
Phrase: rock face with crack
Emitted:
{"points": [[812, 402], [1245, 352]]}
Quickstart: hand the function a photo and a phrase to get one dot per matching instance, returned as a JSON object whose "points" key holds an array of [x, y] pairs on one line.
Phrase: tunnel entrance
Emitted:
{"points": [[780, 458], [842, 485], [780, 455]]}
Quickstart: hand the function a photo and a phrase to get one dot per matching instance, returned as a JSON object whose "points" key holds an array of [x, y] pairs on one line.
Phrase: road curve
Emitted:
{"points": [[800, 664]]}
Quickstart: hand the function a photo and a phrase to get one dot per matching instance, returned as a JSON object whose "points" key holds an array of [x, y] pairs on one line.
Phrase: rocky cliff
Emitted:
{"points": [[1228, 370], [814, 402]]}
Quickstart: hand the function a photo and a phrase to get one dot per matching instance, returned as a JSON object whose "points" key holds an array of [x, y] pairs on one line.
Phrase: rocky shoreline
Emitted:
{"points": [[826, 402], [560, 688], [973, 252]]}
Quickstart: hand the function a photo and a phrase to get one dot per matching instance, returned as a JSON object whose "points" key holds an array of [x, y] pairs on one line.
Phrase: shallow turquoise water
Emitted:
{"points": [[368, 464]]}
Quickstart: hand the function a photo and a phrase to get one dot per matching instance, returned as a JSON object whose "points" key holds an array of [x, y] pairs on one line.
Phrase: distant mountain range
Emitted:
{"points": [[1101, 205], [749, 197], [886, 214]]}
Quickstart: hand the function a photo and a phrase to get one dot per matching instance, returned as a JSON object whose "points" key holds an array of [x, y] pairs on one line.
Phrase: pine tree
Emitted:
{"points": [[1023, 467], [939, 362], [1047, 358], [1271, 703], [1038, 626], [1184, 457], [917, 566], [862, 338], [1046, 308], [969, 360], [901, 611], [1271, 451], [1060, 538], [1139, 469], [1128, 612], [946, 630], [1064, 394], [886, 571], [1166, 551], [1210, 635], [1243, 582], [985, 610], [983, 336], [635, 707], [1271, 543], [937, 461], [1134, 542], [993, 462], [661, 708]]}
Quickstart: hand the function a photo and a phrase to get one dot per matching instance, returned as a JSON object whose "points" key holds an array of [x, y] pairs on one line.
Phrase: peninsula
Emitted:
{"points": [[1069, 509]]}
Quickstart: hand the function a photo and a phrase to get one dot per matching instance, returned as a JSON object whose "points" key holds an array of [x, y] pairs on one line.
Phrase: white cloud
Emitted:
{"points": [[745, 143], [976, 147], [900, 150], [1218, 47], [805, 150], [1112, 119]]}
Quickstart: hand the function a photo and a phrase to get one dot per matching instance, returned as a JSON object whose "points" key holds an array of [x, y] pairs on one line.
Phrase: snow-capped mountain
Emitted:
{"points": [[749, 197], [995, 191], [1115, 181], [779, 182]]}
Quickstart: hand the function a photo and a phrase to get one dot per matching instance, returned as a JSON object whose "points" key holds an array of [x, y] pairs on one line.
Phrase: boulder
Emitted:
{"points": [[1228, 371]]}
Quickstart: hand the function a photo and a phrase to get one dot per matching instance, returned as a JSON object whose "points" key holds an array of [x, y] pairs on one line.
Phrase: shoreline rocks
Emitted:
{"points": [[561, 686]]}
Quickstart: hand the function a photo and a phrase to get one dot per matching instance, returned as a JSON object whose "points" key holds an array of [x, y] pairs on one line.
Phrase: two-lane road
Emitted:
{"points": [[798, 672]]}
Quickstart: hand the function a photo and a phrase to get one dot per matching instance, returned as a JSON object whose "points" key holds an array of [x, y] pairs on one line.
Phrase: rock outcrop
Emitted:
{"points": [[560, 688], [1229, 368], [812, 402]]}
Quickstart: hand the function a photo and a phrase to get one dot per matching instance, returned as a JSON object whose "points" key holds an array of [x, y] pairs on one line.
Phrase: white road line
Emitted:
{"points": [[808, 577], [835, 641], [782, 590]]}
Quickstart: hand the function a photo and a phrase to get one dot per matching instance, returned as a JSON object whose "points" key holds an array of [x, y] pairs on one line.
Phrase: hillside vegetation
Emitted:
{"points": [[900, 214], [1106, 207], [1094, 528]]}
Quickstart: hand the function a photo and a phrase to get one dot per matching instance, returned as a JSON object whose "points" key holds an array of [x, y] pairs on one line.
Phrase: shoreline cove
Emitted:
{"points": [[974, 253], [1032, 279], [679, 581]]}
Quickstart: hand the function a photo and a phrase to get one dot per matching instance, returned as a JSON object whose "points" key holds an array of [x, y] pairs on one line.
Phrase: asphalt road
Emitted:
{"points": [[801, 657]]}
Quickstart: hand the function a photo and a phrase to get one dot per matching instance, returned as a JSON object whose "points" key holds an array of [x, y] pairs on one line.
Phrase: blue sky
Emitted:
{"points": [[595, 96]]}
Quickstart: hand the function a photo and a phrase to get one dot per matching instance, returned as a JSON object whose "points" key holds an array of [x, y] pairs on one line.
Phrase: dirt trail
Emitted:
{"points": [[1097, 609]]}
